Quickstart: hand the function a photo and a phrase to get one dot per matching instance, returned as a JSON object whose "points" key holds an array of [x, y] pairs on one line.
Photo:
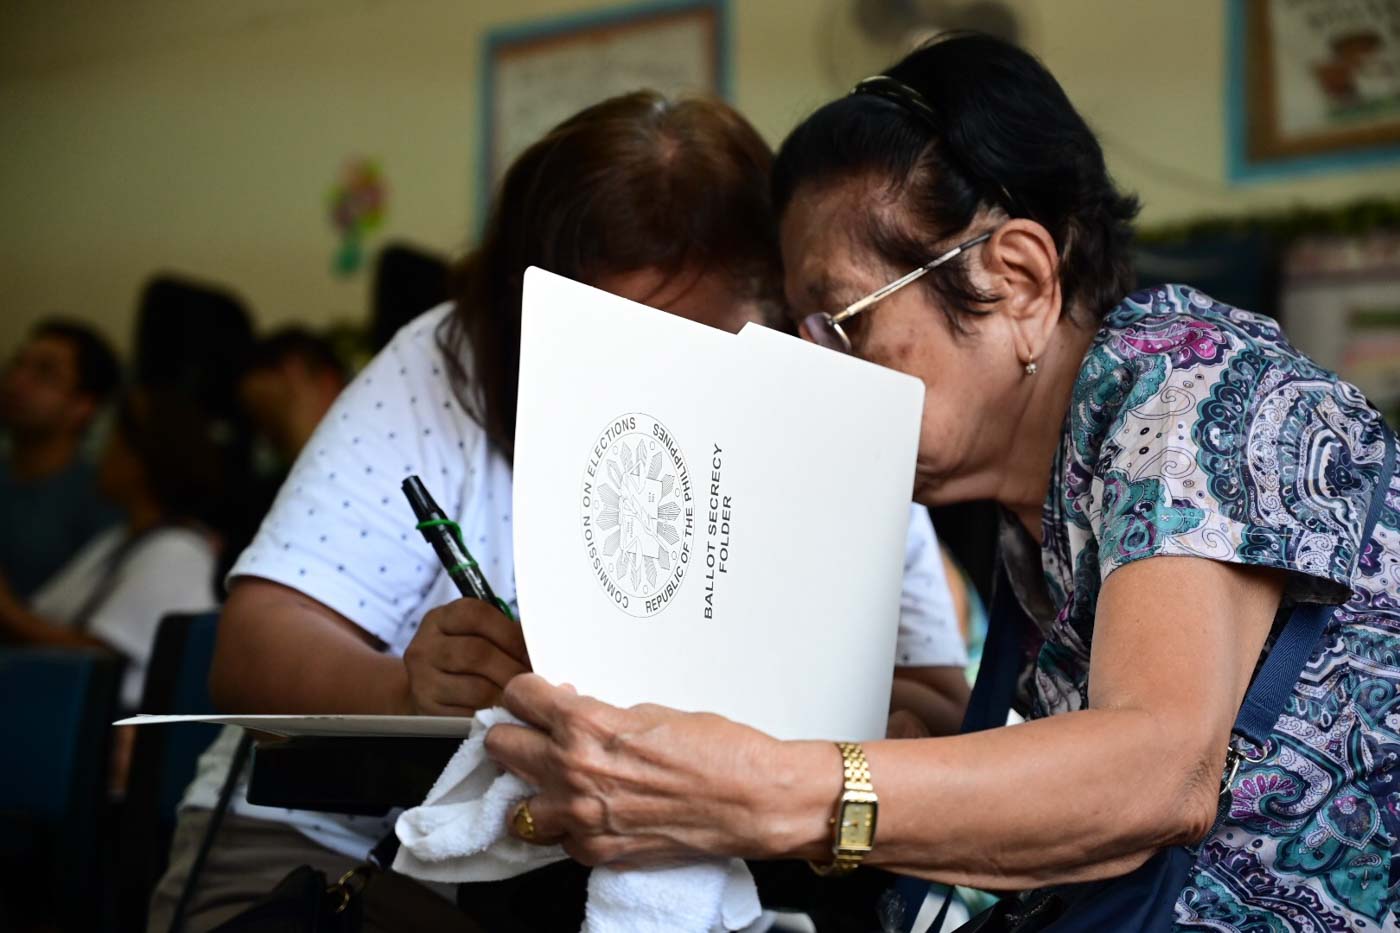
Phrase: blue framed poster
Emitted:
{"points": [[1312, 85]]}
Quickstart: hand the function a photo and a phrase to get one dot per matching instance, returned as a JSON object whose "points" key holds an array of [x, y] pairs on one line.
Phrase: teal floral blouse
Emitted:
{"points": [[1197, 430]]}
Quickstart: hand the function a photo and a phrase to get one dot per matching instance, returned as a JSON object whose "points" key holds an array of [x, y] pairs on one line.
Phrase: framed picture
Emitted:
{"points": [[537, 74], [1316, 83]]}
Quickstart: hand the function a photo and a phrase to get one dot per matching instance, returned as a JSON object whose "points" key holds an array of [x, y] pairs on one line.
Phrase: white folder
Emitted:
{"points": [[709, 521]]}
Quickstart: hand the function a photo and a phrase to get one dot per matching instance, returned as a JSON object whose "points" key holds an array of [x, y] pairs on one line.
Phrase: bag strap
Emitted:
{"points": [[1264, 702], [990, 703], [384, 851], [107, 583], [216, 817], [995, 686]]}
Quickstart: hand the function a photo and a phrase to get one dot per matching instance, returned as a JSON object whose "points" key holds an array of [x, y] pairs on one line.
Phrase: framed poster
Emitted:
{"points": [[1315, 83], [537, 74]]}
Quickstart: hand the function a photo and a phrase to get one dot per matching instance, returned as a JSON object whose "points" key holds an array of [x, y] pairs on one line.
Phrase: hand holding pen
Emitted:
{"points": [[466, 651]]}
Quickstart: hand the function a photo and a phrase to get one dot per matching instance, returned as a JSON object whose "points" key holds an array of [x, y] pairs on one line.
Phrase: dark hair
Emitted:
{"points": [[637, 181], [174, 441], [316, 352], [990, 128], [99, 373]]}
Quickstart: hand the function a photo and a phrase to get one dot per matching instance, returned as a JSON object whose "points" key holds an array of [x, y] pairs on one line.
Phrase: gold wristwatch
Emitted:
{"points": [[853, 826]]}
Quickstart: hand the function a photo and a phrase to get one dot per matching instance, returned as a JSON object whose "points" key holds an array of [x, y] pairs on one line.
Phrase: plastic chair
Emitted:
{"points": [[54, 810], [163, 758]]}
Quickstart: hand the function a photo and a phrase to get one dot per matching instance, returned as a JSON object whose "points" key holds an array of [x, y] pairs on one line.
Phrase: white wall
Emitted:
{"points": [[202, 136]]}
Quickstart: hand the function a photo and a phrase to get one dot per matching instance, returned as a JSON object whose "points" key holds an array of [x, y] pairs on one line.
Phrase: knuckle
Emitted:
{"points": [[593, 719], [581, 760], [584, 813], [455, 617], [709, 721]]}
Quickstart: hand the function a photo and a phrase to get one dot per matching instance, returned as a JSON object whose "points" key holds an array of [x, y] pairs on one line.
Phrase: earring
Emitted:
{"points": [[1030, 368]]}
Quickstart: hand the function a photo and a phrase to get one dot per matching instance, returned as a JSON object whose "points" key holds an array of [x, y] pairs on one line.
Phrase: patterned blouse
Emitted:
{"points": [[1197, 430]]}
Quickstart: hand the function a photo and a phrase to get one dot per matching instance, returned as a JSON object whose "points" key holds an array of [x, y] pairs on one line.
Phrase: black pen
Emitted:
{"points": [[446, 539]]}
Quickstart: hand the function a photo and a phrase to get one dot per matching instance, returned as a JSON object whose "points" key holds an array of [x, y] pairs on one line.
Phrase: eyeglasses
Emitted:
{"points": [[825, 329]]}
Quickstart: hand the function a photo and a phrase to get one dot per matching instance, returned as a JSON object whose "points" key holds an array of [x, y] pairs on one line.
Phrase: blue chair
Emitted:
{"points": [[163, 758], [55, 818]]}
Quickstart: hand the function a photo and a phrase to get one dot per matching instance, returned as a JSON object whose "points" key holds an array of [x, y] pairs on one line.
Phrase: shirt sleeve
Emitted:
{"points": [[172, 571], [340, 530], [1234, 452], [929, 635]]}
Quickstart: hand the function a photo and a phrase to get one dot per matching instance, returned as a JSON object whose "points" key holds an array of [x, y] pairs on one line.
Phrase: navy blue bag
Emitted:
{"points": [[1145, 898]]}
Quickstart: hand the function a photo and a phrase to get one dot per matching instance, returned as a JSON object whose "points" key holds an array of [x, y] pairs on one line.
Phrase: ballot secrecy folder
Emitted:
{"points": [[709, 521], [704, 520]]}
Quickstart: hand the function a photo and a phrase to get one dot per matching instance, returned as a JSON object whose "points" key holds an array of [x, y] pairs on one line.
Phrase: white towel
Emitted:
{"points": [[458, 835]]}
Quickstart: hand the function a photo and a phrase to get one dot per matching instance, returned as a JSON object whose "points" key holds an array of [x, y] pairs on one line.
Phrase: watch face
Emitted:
{"points": [[857, 829]]}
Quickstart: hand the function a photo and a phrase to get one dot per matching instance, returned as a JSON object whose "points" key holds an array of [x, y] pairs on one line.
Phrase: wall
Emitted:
{"points": [[202, 137]]}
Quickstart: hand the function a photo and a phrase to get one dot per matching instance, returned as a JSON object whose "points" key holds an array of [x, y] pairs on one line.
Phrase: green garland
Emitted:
{"points": [[1367, 215]]}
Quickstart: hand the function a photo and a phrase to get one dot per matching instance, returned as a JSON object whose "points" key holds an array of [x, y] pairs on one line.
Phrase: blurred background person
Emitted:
{"points": [[158, 468], [52, 390], [291, 380]]}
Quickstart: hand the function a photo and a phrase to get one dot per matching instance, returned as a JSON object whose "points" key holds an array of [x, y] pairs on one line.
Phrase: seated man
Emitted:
{"points": [[50, 393]]}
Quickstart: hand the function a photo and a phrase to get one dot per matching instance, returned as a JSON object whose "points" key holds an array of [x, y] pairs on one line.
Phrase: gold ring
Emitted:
{"points": [[522, 822]]}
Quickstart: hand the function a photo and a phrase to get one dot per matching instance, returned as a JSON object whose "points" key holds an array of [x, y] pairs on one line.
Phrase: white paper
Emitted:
{"points": [[364, 726], [632, 425]]}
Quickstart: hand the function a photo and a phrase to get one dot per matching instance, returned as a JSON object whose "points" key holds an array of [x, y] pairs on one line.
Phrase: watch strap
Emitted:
{"points": [[855, 780]]}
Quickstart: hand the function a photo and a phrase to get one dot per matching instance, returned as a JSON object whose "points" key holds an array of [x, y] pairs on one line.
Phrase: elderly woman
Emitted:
{"points": [[1175, 477]]}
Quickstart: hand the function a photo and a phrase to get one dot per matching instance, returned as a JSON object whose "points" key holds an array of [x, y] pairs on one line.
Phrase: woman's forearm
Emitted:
{"points": [[1086, 794], [1013, 808], [281, 652]]}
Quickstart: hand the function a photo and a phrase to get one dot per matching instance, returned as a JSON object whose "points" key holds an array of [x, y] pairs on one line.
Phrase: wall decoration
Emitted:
{"points": [[537, 74], [1315, 83], [356, 207]]}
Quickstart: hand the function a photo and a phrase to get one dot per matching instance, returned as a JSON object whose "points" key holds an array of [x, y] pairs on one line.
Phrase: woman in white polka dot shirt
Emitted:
{"points": [[339, 606]]}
